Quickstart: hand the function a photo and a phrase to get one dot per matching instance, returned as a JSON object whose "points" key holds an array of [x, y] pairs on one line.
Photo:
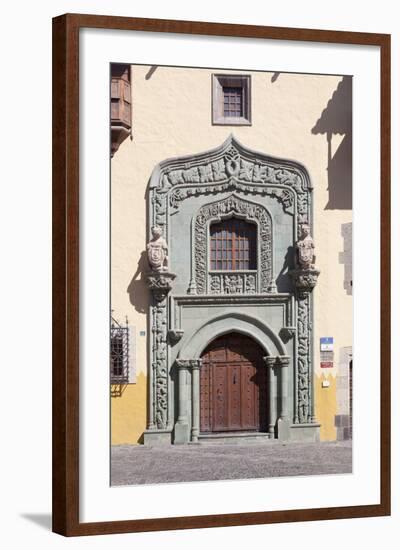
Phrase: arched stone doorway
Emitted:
{"points": [[233, 386], [197, 300]]}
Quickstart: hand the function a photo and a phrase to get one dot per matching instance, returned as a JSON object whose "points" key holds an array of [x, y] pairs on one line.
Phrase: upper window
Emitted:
{"points": [[231, 99], [233, 245]]}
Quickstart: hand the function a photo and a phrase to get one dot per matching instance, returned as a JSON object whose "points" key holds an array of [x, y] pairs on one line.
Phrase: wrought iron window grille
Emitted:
{"points": [[119, 352]]}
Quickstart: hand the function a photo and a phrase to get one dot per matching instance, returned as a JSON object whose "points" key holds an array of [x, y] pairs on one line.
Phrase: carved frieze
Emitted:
{"points": [[240, 283]]}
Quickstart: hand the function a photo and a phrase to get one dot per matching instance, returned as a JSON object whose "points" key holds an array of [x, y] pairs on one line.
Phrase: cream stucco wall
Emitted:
{"points": [[171, 117]]}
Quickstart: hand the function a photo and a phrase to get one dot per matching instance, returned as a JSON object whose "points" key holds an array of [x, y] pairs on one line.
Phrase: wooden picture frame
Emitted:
{"points": [[66, 235]]}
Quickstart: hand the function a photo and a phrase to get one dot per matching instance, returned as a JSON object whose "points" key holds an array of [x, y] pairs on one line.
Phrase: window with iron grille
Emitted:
{"points": [[233, 245], [119, 353], [231, 99]]}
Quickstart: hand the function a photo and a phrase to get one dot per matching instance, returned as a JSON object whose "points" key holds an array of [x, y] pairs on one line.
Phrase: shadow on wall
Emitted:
{"points": [[336, 118], [117, 390], [283, 280], [137, 289], [150, 72]]}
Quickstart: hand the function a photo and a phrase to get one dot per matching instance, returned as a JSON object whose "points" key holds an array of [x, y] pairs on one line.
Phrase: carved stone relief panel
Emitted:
{"points": [[235, 283]]}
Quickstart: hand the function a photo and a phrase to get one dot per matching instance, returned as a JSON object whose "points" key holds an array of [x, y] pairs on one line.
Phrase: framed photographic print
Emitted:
{"points": [[221, 246]]}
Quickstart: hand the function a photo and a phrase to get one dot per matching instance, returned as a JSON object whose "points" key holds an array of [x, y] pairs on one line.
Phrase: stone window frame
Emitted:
{"points": [[230, 80], [218, 210]]}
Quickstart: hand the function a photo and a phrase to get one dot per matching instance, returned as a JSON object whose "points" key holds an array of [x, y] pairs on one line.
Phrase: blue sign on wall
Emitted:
{"points": [[326, 343]]}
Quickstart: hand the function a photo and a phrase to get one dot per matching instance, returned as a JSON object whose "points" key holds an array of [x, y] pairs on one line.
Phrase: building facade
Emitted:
{"points": [[230, 256]]}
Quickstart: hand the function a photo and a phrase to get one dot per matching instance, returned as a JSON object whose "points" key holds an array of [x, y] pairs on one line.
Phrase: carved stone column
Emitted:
{"points": [[196, 364], [182, 428], [159, 425], [182, 424], [279, 364], [283, 361], [272, 413], [284, 423]]}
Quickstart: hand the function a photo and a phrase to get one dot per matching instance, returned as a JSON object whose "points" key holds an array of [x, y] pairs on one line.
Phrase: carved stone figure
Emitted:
{"points": [[305, 256], [233, 284], [157, 250]]}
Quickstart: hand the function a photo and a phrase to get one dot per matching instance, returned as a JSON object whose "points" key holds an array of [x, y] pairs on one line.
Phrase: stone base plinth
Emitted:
{"points": [[305, 432], [181, 433], [153, 438], [283, 429]]}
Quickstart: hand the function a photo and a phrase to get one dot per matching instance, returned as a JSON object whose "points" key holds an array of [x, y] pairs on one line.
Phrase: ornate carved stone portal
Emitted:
{"points": [[270, 301]]}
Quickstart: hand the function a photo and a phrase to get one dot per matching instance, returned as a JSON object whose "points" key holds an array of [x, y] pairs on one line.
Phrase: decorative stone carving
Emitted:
{"points": [[159, 364], [236, 169], [277, 361], [231, 167], [175, 335], [305, 274], [284, 196], [188, 363], [237, 283], [287, 333], [304, 370], [282, 361], [160, 283], [250, 284], [232, 284], [304, 280], [305, 257], [269, 360], [157, 250]]}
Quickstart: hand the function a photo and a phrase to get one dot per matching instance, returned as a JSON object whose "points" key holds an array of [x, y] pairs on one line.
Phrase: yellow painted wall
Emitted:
{"points": [[128, 412], [325, 406]]}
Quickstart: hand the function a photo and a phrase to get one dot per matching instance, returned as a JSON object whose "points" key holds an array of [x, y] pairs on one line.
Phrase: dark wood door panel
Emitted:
{"points": [[220, 397], [205, 397], [234, 397], [233, 386]]}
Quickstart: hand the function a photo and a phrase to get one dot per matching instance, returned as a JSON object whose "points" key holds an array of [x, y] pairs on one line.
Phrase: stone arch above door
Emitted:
{"points": [[194, 344]]}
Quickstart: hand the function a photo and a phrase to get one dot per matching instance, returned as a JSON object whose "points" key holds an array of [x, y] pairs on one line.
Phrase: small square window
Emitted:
{"points": [[231, 100]]}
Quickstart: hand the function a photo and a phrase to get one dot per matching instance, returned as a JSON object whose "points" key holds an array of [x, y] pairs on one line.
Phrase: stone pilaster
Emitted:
{"points": [[159, 425]]}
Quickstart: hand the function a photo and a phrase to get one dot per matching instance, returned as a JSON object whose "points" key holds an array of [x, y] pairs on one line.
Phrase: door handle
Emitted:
{"points": [[234, 378]]}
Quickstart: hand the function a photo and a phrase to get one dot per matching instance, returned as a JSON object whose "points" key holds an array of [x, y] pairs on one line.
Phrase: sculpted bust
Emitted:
{"points": [[305, 249], [157, 250]]}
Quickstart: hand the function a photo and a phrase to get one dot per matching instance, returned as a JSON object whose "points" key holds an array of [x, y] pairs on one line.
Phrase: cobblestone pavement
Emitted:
{"points": [[137, 464]]}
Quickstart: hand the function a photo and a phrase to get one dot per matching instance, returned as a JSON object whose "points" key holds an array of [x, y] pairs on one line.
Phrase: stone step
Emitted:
{"points": [[235, 438]]}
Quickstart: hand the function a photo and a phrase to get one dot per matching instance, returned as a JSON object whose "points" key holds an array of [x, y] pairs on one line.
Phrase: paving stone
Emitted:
{"points": [[138, 464]]}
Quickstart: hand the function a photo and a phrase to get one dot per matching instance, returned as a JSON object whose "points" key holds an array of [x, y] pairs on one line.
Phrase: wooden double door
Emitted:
{"points": [[233, 391]]}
